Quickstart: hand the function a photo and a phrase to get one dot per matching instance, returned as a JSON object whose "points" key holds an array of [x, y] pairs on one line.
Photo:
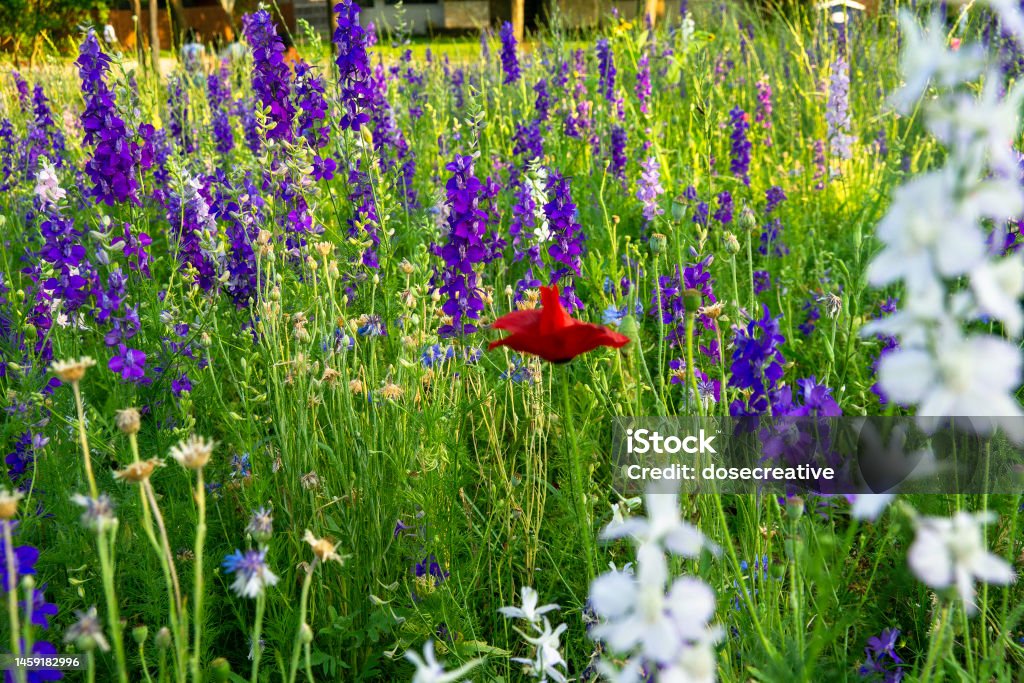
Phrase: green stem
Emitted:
{"points": [[197, 576], [93, 491], [691, 369], [303, 600], [257, 629], [577, 489], [935, 647], [113, 613]]}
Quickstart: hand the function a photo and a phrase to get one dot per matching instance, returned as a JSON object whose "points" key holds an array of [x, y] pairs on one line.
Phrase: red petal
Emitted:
{"points": [[519, 322]]}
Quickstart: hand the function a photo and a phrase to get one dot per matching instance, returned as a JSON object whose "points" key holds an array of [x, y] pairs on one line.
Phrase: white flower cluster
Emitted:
{"points": [[547, 655], [944, 240], [663, 628]]}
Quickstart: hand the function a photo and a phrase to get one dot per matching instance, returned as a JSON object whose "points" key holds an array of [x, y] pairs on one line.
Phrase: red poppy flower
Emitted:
{"points": [[551, 333]]}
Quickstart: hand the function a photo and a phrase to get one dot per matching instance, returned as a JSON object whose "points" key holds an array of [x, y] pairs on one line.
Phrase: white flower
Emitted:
{"points": [[926, 57], [543, 231], [429, 670], [696, 661], [970, 377], [664, 527], [529, 611], [952, 552], [976, 129], [547, 656], [930, 231], [870, 505], [638, 615], [48, 187], [998, 288]]}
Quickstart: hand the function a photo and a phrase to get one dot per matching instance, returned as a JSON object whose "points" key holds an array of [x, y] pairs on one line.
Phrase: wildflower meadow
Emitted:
{"points": [[313, 359]]}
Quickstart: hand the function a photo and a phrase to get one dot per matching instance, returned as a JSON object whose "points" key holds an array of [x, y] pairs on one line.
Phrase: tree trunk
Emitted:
{"points": [[154, 36], [140, 55], [181, 23], [518, 18]]}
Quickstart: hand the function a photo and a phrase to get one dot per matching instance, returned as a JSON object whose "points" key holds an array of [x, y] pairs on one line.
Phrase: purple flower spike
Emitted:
{"points": [[270, 73]]}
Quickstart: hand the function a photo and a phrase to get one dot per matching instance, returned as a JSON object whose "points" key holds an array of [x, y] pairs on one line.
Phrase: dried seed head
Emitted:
{"points": [[310, 481], [72, 371], [322, 547], [356, 386], [138, 471], [9, 503], [128, 420], [392, 391], [712, 311], [193, 453]]}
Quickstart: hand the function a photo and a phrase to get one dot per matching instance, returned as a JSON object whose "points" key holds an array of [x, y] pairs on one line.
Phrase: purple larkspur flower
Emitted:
{"points": [[606, 69], [812, 313], [723, 214], [820, 170], [430, 568], [756, 364], [218, 95], [740, 160], [194, 232], [617, 152], [178, 123], [881, 661], [763, 114], [40, 648], [528, 140], [643, 82], [882, 143], [129, 363], [542, 103], [771, 240], [773, 196], [762, 282], [117, 156], [270, 74], [509, 58], [243, 227], [24, 561], [311, 102], [464, 248], [649, 188], [567, 239], [364, 222], [41, 610], [351, 42], [838, 110]]}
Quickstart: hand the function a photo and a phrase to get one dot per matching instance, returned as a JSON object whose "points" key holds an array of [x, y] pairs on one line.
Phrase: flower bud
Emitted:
{"points": [[163, 638], [367, 135], [220, 670], [732, 245], [678, 208], [657, 243], [795, 507], [691, 300], [140, 633], [747, 220], [306, 634]]}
